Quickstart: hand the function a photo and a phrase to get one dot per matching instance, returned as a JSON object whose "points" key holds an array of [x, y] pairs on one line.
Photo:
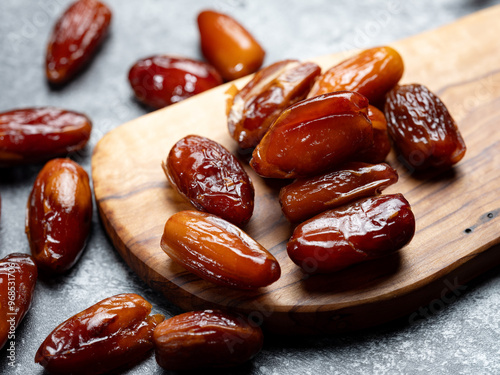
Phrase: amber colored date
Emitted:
{"points": [[211, 178], [218, 251], [305, 198], [381, 147], [161, 80], [18, 274], [367, 229], [371, 73], [112, 333], [259, 103], [31, 135], [75, 39], [314, 135], [203, 339], [423, 131], [228, 46], [58, 215]]}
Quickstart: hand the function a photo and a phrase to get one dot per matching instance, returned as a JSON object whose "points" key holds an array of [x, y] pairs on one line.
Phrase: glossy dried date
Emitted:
{"points": [[112, 333], [228, 46], [367, 229], [314, 135], [201, 339], [218, 251], [58, 215], [423, 131], [305, 198], [371, 73], [31, 135], [381, 147], [211, 178], [161, 80], [271, 90], [75, 39], [18, 274]]}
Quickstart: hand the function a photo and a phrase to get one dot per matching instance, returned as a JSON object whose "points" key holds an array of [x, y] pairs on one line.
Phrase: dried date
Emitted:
{"points": [[218, 251], [314, 135], [201, 339], [228, 46], [271, 90], [32, 135], [424, 132], [75, 39], [58, 215], [211, 178], [372, 73], [381, 147], [18, 274], [367, 229], [114, 332], [305, 198], [161, 80]]}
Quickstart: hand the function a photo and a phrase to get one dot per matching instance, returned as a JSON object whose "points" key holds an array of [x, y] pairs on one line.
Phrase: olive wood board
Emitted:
{"points": [[457, 212]]}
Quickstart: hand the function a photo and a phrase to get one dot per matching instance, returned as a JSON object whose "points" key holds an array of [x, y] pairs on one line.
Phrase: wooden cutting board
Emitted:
{"points": [[458, 213]]}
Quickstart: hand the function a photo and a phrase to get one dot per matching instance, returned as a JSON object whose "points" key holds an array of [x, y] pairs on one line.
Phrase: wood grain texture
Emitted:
{"points": [[458, 213]]}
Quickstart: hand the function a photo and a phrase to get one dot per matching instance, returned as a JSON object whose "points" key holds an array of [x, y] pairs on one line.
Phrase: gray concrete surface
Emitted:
{"points": [[461, 337]]}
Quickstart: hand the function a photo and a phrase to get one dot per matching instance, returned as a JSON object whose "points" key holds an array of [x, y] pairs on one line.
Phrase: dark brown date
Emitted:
{"points": [[33, 135], [112, 333], [218, 251], [381, 147], [371, 73], [211, 178], [18, 274], [75, 39], [305, 198], [367, 229], [161, 80], [58, 215], [314, 135], [423, 131], [201, 339], [271, 90]]}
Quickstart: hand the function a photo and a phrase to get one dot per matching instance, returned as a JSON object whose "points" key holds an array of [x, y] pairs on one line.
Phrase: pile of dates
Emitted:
{"points": [[327, 133]]}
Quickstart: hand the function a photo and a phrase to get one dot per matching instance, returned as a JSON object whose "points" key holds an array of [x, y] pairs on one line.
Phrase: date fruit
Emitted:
{"points": [[114, 332], [58, 215], [161, 80], [75, 39], [367, 229], [314, 135], [32, 135], [202, 339], [271, 90], [18, 274], [218, 251], [211, 178], [228, 46], [305, 198], [381, 147], [424, 133], [372, 73]]}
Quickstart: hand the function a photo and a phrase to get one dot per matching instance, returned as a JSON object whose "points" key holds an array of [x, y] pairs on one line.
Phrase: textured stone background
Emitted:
{"points": [[461, 337]]}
